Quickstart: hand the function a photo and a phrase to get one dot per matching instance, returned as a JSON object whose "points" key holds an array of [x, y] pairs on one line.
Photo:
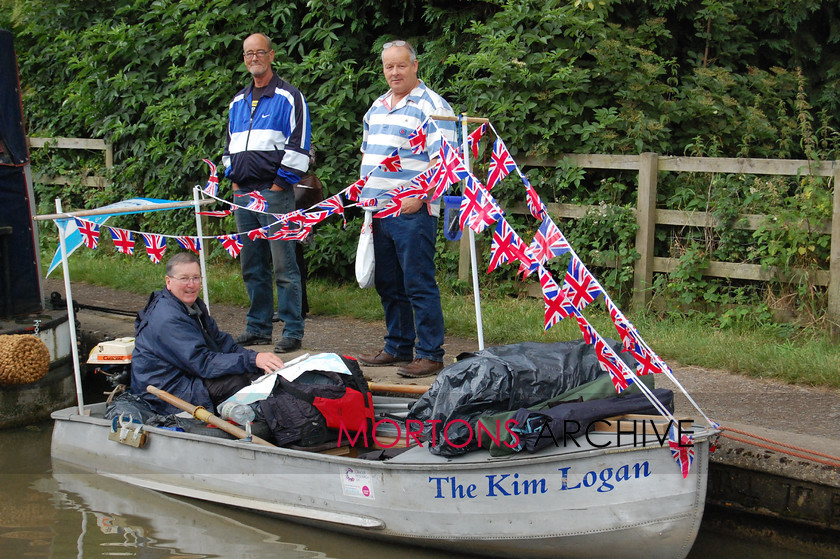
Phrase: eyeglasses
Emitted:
{"points": [[185, 280], [255, 54], [386, 46]]}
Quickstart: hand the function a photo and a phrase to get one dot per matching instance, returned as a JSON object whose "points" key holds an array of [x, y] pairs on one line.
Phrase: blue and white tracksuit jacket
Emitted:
{"points": [[272, 143]]}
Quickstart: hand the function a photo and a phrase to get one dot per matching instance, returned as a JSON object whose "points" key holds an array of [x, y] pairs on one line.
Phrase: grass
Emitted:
{"points": [[784, 352]]}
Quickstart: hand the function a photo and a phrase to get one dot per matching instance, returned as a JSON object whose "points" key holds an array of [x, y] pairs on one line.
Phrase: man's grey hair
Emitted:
{"points": [[264, 36], [178, 259], [405, 44]]}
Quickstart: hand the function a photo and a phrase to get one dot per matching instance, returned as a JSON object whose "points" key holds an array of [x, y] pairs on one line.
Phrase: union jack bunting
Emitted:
{"points": [[557, 307], [394, 205], [123, 240], [683, 451], [580, 286], [506, 246], [417, 139], [391, 163], [450, 170], [231, 243], [501, 164], [257, 202], [424, 179], [548, 242], [478, 208], [212, 186], [474, 138], [355, 190], [155, 246], [589, 333], [334, 205], [89, 231], [286, 233], [258, 233], [535, 205], [610, 362], [368, 203], [314, 218], [218, 213], [647, 361], [189, 243]]}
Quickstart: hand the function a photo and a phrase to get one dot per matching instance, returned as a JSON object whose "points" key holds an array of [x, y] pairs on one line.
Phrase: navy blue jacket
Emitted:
{"points": [[172, 353], [268, 143]]}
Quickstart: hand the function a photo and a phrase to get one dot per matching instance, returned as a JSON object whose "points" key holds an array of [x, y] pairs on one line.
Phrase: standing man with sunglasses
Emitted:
{"points": [[267, 153], [179, 348], [404, 246]]}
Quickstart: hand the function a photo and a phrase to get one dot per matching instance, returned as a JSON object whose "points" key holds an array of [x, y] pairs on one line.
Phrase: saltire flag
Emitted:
{"points": [[123, 240], [89, 231], [355, 190], [474, 137], [189, 243], [217, 213], [548, 242], [580, 285], [212, 186], [557, 307], [478, 208], [391, 163], [682, 451], [231, 243], [155, 246], [501, 164], [258, 233], [450, 169], [535, 204], [417, 139], [334, 205], [611, 363], [506, 246], [257, 202]]}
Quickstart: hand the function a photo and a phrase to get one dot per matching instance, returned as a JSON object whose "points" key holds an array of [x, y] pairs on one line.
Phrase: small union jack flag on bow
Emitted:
{"points": [[155, 246], [580, 286], [474, 138], [535, 205], [334, 205], [478, 208], [123, 240], [89, 231], [212, 186], [189, 243], [506, 246], [257, 202], [417, 139], [501, 164], [548, 242], [557, 307], [682, 451], [391, 163], [231, 243]]}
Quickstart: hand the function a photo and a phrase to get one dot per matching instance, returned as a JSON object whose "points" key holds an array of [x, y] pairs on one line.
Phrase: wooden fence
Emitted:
{"points": [[74, 143]]}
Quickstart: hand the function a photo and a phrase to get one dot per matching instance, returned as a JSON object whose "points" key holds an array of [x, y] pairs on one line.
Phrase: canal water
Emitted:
{"points": [[47, 512]]}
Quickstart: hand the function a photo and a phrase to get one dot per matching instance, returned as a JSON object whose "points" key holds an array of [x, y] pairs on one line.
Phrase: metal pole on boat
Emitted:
{"points": [[479, 325], [201, 250], [71, 315]]}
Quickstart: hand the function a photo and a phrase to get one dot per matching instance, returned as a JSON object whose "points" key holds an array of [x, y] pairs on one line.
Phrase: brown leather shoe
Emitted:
{"points": [[381, 359], [420, 367]]}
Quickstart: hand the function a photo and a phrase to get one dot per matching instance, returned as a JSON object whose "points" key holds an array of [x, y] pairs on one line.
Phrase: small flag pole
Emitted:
{"points": [[201, 249]]}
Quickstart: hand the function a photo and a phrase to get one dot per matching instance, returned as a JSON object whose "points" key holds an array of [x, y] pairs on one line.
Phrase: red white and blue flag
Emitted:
{"points": [[217, 213], [557, 307], [231, 243], [682, 451], [589, 333], [506, 246], [212, 186], [258, 233], [580, 285], [257, 202], [450, 169], [355, 190], [417, 139], [501, 164], [394, 206], [155, 246], [89, 231], [189, 243], [123, 240], [392, 163], [647, 361], [287, 233], [478, 208], [620, 374], [474, 138], [334, 205], [535, 204], [548, 242]]}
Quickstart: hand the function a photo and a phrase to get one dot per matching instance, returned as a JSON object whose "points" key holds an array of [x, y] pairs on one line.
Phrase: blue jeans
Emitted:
{"points": [[255, 260], [404, 247]]}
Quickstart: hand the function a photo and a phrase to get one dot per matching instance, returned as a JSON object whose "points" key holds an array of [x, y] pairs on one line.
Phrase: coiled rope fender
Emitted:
{"points": [[777, 446]]}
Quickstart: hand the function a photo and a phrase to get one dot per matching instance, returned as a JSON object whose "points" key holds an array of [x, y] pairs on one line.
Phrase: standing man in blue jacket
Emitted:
{"points": [[267, 152], [179, 348]]}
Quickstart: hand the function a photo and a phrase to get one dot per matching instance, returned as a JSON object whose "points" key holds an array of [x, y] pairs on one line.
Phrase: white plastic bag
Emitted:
{"points": [[365, 263]]}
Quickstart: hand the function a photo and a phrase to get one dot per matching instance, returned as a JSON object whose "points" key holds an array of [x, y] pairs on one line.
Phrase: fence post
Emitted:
{"points": [[646, 218], [833, 311]]}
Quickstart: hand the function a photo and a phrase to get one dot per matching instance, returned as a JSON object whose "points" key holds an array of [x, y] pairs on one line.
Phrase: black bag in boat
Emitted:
{"points": [[319, 406], [499, 379]]}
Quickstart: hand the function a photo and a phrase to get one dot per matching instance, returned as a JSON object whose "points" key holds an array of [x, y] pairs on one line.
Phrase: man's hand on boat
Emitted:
{"points": [[269, 362]]}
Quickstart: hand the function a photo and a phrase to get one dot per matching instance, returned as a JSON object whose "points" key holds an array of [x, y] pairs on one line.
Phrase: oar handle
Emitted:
{"points": [[398, 388]]}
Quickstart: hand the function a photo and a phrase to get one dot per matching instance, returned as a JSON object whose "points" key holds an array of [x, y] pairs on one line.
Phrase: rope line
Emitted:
{"points": [[777, 446]]}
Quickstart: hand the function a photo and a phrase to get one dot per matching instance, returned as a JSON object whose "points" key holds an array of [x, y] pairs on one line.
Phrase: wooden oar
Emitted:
{"points": [[398, 388], [202, 414]]}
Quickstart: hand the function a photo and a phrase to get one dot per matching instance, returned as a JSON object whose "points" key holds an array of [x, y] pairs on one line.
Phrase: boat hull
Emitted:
{"points": [[628, 501]]}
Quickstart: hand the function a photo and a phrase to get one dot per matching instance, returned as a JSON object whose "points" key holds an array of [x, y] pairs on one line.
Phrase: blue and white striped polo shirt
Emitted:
{"points": [[386, 129]]}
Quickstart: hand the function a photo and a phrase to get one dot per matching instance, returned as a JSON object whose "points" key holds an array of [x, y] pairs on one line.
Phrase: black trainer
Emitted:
{"points": [[286, 345], [249, 338]]}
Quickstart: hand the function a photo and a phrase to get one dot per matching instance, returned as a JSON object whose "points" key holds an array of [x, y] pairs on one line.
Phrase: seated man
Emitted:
{"points": [[180, 349]]}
